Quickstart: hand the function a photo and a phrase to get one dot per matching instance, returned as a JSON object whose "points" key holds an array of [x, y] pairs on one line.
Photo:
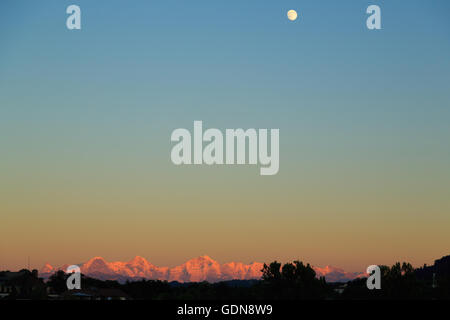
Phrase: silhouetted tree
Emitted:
{"points": [[295, 281], [57, 282], [271, 272]]}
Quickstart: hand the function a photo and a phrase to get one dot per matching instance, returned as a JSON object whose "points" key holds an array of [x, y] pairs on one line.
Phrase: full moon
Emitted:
{"points": [[292, 15]]}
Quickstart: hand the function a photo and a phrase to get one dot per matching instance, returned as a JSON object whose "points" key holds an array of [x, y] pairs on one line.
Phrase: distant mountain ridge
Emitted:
{"points": [[198, 269]]}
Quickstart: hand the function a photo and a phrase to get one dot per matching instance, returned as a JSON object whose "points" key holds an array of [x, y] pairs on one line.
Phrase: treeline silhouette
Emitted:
{"points": [[290, 281]]}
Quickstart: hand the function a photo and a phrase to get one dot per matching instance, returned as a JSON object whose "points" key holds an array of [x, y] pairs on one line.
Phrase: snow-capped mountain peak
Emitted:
{"points": [[46, 268], [202, 268]]}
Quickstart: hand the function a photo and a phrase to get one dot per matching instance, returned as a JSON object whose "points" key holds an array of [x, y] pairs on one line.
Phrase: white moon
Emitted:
{"points": [[292, 15]]}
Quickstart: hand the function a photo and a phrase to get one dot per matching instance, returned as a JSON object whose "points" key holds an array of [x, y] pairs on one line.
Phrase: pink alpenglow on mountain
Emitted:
{"points": [[199, 269], [333, 274], [47, 268]]}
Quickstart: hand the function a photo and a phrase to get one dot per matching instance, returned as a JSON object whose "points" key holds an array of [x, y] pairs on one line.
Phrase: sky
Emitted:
{"points": [[86, 117]]}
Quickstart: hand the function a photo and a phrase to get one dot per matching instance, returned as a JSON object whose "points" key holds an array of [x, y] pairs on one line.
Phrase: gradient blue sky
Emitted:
{"points": [[86, 118]]}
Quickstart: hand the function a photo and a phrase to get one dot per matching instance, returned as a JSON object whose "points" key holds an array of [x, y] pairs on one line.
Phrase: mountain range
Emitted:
{"points": [[199, 269]]}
